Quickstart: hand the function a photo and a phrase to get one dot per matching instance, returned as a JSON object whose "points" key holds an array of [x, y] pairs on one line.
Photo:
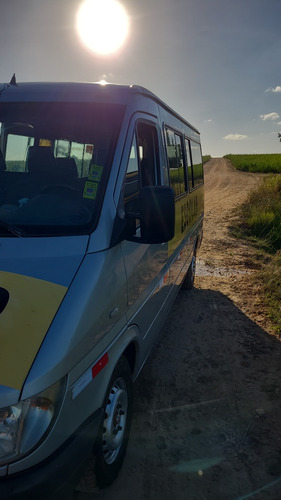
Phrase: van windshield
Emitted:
{"points": [[54, 164]]}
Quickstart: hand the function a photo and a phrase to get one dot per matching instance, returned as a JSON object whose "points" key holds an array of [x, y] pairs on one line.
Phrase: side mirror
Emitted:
{"points": [[157, 214]]}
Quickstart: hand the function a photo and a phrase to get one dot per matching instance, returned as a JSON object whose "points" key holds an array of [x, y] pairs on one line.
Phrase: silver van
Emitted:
{"points": [[101, 213]]}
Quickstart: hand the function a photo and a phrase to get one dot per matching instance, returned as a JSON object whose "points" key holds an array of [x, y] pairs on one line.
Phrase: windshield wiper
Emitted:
{"points": [[11, 229]]}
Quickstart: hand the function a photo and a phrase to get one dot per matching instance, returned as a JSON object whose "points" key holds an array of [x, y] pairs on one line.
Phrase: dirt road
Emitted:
{"points": [[207, 408]]}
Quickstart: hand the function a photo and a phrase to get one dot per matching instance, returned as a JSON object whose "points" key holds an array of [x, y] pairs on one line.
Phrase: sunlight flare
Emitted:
{"points": [[103, 25]]}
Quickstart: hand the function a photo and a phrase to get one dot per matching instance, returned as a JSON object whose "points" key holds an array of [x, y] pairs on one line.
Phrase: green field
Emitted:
{"points": [[262, 163]]}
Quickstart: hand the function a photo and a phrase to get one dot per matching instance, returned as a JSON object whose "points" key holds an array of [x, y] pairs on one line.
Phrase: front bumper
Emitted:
{"points": [[56, 477]]}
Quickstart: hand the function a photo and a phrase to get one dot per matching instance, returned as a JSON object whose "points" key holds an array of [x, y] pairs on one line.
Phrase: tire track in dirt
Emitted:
{"points": [[225, 263]]}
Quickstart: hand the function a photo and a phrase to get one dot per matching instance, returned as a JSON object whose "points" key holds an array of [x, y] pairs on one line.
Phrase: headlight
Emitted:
{"points": [[23, 425]]}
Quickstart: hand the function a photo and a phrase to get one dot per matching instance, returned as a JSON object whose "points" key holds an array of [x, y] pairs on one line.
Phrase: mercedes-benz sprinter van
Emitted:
{"points": [[101, 212]]}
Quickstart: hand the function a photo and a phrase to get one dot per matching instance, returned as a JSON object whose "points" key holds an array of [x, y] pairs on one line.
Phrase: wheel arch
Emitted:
{"points": [[130, 353]]}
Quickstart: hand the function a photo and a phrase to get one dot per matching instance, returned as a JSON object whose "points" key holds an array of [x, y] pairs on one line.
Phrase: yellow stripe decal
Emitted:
{"points": [[24, 322]]}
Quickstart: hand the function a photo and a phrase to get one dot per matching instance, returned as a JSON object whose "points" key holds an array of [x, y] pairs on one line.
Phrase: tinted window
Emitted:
{"points": [[147, 141], [143, 164], [197, 163], [55, 160], [189, 165], [132, 181], [175, 162]]}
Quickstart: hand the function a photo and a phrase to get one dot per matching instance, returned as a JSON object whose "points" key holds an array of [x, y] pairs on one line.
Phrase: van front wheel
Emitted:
{"points": [[114, 434]]}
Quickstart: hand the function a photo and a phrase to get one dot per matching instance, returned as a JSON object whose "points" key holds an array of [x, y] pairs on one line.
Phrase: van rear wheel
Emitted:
{"points": [[114, 434]]}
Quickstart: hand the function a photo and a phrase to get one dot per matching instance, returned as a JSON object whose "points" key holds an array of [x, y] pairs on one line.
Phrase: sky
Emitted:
{"points": [[216, 62]]}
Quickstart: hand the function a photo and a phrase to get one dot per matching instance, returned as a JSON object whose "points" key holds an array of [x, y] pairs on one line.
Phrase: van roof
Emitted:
{"points": [[78, 92]]}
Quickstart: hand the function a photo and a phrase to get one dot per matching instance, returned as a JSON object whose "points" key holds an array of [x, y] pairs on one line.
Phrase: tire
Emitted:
{"points": [[114, 434], [188, 281]]}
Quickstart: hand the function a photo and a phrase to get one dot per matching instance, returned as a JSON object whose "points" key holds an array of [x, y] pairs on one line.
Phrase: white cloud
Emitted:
{"points": [[274, 89], [235, 137], [270, 116]]}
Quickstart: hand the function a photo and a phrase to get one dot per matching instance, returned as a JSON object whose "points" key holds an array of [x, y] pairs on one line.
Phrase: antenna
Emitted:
{"points": [[13, 80]]}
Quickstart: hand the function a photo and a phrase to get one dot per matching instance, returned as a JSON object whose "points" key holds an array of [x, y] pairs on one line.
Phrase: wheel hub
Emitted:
{"points": [[114, 424]]}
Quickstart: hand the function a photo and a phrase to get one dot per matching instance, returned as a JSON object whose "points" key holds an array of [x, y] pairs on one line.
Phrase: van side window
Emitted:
{"points": [[189, 165], [132, 181], [194, 164], [148, 153], [142, 165], [197, 163], [175, 162]]}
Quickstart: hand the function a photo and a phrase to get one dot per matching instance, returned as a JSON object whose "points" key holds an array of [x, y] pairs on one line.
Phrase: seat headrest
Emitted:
{"points": [[67, 167], [40, 159]]}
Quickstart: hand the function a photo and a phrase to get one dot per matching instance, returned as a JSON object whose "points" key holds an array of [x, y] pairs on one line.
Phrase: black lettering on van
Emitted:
{"points": [[189, 211], [4, 298]]}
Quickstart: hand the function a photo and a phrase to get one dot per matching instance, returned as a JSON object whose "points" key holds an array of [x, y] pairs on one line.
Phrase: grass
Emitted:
{"points": [[270, 276], [261, 214], [260, 222], [262, 163]]}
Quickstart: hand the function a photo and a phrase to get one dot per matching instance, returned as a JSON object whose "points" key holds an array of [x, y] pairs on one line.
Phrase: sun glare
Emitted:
{"points": [[103, 25]]}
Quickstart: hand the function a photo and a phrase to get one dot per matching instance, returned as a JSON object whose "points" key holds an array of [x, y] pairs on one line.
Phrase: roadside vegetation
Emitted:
{"points": [[206, 158], [260, 223], [266, 163]]}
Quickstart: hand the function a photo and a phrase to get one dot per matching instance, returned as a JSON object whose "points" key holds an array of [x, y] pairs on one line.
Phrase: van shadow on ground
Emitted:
{"points": [[207, 410]]}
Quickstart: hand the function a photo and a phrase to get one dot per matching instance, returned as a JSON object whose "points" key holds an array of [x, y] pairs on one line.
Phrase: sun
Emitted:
{"points": [[103, 25]]}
